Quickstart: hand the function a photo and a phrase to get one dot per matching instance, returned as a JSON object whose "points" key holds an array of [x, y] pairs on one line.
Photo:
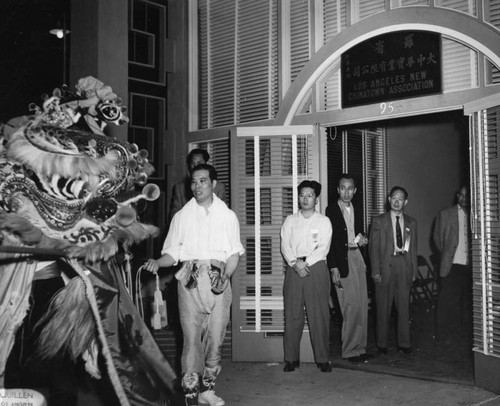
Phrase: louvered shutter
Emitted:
{"points": [[300, 41], [361, 152], [257, 56], [484, 116], [492, 12], [365, 8], [407, 3], [334, 18], [465, 6], [271, 162], [376, 172], [459, 66], [485, 206]]}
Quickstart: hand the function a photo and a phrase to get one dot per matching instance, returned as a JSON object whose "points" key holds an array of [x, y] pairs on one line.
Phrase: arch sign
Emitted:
{"points": [[391, 66]]}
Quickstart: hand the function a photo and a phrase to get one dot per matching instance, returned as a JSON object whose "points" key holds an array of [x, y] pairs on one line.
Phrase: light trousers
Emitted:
{"points": [[353, 302], [204, 317]]}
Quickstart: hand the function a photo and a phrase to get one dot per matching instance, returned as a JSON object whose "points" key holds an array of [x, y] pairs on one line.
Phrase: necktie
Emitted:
{"points": [[399, 236]]}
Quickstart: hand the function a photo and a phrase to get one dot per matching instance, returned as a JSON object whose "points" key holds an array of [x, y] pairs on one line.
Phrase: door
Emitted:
{"points": [[484, 116], [267, 166]]}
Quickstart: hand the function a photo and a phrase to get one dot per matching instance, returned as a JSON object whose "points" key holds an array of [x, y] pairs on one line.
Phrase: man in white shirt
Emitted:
{"points": [[451, 237], [305, 242], [205, 237]]}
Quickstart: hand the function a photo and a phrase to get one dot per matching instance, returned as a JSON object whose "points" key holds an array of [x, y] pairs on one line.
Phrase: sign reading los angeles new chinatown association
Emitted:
{"points": [[391, 66]]}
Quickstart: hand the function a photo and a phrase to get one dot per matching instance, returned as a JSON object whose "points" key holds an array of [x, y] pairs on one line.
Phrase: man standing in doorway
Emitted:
{"points": [[305, 241], [393, 258], [181, 192], [205, 237], [451, 236], [348, 270]]}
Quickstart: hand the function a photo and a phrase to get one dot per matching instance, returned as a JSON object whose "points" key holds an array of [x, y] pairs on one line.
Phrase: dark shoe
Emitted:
{"points": [[365, 357], [324, 366], [405, 350], [355, 360], [382, 350], [291, 365]]}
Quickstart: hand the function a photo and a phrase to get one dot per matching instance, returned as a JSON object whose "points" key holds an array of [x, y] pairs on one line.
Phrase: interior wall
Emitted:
{"points": [[429, 157]]}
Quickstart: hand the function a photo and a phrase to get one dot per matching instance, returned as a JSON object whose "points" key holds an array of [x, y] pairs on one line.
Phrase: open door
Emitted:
{"points": [[267, 166], [484, 118]]}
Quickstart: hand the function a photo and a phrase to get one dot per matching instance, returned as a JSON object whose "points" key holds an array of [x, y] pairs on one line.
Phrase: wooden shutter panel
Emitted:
{"points": [[485, 224], [465, 6], [459, 66], [260, 274], [300, 43]]}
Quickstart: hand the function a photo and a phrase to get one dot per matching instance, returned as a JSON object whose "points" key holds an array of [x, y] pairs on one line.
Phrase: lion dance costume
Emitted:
{"points": [[68, 204]]}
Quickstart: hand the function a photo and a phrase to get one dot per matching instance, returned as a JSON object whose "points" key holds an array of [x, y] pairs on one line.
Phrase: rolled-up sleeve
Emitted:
{"points": [[235, 246], [286, 246], [172, 244]]}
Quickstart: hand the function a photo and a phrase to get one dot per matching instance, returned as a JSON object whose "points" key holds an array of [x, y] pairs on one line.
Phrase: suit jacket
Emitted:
{"points": [[337, 256], [445, 237], [181, 194], [382, 245]]}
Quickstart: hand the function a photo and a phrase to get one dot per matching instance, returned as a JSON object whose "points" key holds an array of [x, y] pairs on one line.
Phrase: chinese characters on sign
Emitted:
{"points": [[391, 66]]}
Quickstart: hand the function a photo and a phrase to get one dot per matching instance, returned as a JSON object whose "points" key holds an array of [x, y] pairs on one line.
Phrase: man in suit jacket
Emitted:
{"points": [[451, 237], [181, 192], [393, 258], [348, 270]]}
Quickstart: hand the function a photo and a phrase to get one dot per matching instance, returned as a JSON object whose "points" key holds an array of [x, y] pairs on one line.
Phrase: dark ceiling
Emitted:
{"points": [[31, 59]]}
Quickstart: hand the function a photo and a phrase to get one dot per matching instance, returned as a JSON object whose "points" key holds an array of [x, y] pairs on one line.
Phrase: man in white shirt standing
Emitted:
{"points": [[205, 237], [451, 236], [305, 242]]}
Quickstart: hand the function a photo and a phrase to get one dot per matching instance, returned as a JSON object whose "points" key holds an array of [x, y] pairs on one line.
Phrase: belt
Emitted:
{"points": [[352, 248], [301, 258], [396, 254]]}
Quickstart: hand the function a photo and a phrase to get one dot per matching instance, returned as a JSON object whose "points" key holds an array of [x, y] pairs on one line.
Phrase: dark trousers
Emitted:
{"points": [[454, 311], [395, 288], [311, 293]]}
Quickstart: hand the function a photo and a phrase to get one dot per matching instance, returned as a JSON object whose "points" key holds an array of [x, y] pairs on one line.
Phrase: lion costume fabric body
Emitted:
{"points": [[67, 207]]}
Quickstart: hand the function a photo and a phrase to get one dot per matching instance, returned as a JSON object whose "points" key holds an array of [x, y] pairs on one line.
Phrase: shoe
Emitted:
{"points": [[382, 350], [210, 398], [291, 365], [324, 366], [355, 359], [365, 357], [405, 350]]}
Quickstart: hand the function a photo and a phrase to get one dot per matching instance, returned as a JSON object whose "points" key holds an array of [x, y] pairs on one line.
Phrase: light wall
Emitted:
{"points": [[429, 157]]}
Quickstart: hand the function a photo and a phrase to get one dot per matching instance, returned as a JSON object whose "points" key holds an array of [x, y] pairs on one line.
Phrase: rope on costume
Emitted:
{"points": [[138, 293]]}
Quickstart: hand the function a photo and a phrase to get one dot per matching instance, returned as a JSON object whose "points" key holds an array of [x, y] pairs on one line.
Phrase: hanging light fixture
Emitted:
{"points": [[59, 32]]}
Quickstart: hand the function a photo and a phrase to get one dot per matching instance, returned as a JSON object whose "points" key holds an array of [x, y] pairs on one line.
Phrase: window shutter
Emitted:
{"points": [[485, 224], [281, 158], [459, 66], [204, 101], [407, 3], [466, 6], [300, 43], [257, 57], [361, 152], [334, 18], [365, 8], [491, 12]]}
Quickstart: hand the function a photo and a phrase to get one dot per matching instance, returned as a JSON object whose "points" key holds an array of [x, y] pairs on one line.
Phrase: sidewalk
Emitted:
{"points": [[259, 384]]}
